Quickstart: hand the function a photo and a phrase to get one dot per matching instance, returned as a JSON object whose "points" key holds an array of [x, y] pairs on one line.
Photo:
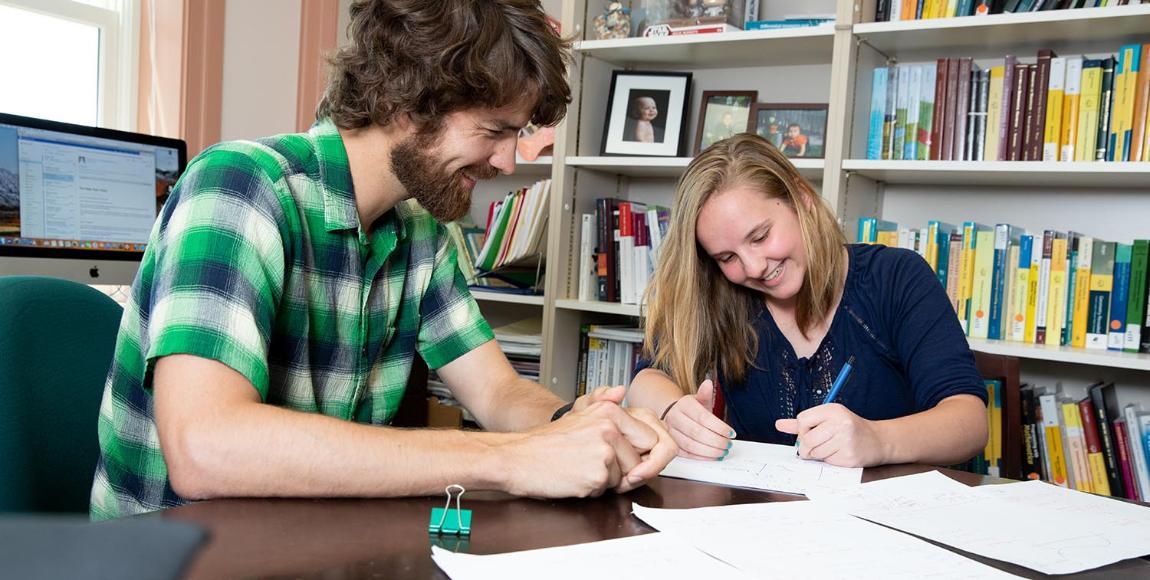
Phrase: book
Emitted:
{"points": [[1141, 106], [1053, 439], [981, 281], [1136, 298], [1032, 462], [994, 113], [1134, 440], [1088, 110], [1070, 108], [1056, 309], [879, 89], [1081, 305], [1125, 462], [1105, 102], [1072, 433], [1105, 405], [1101, 283], [1094, 454], [1021, 273], [1006, 236], [1052, 141], [1122, 110], [1035, 138], [1116, 327]]}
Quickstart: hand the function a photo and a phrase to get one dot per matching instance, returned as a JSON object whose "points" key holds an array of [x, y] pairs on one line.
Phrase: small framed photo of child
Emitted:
{"points": [[646, 114], [798, 130], [723, 114]]}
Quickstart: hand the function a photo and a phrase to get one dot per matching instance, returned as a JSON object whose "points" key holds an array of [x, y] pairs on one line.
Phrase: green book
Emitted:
{"points": [[1136, 305]]}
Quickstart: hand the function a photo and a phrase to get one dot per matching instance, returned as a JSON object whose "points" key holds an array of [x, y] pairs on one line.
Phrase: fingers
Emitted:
{"points": [[706, 394], [660, 454], [787, 426], [699, 424], [609, 394]]}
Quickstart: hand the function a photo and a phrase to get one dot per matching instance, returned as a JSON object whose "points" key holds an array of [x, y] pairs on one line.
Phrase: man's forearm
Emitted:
{"points": [[535, 406]]}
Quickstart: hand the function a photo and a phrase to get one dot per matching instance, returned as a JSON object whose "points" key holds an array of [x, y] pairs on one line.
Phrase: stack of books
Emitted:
{"points": [[619, 247], [891, 10]]}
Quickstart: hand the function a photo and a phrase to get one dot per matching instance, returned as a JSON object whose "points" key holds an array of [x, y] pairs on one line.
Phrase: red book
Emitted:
{"points": [[939, 110], [1121, 438]]}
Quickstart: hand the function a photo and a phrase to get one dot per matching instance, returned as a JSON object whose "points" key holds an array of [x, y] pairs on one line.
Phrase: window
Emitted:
{"points": [[70, 60]]}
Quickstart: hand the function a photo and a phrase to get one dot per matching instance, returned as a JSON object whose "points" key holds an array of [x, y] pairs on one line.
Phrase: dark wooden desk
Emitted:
{"points": [[387, 538]]}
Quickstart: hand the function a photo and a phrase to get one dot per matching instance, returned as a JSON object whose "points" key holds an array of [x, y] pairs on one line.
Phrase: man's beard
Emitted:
{"points": [[439, 191]]}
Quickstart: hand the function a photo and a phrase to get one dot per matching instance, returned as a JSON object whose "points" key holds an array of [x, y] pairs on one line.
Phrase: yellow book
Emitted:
{"points": [[1054, 97], [1079, 466], [1021, 297], [995, 458], [1056, 301], [1032, 293], [1070, 106], [1082, 292], [981, 281], [994, 112], [888, 238], [988, 449], [951, 9], [1088, 109], [1122, 110], [1053, 439], [966, 273], [932, 245]]}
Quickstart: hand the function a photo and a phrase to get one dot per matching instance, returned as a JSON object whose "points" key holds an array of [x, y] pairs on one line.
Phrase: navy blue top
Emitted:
{"points": [[894, 318]]}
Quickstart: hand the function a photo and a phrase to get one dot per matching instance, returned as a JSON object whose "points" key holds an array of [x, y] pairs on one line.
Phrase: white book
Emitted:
{"points": [[1135, 436], [588, 284], [1057, 83]]}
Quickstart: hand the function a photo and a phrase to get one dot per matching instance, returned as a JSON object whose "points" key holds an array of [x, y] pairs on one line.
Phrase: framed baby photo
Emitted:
{"points": [[646, 114], [799, 130], [723, 114]]}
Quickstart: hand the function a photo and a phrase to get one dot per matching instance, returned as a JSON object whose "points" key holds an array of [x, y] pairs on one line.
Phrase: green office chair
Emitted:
{"points": [[56, 343]]}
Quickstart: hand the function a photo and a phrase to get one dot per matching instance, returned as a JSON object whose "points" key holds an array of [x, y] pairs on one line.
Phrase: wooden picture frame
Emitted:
{"points": [[722, 114], [775, 123]]}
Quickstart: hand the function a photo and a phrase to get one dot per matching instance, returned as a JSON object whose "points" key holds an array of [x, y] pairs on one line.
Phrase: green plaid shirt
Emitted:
{"points": [[258, 261]]}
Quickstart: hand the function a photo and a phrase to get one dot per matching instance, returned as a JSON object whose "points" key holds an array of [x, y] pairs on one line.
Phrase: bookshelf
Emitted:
{"points": [[832, 64], [488, 296]]}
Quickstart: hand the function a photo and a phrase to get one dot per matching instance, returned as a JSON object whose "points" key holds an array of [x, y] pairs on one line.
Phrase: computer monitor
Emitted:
{"points": [[79, 202]]}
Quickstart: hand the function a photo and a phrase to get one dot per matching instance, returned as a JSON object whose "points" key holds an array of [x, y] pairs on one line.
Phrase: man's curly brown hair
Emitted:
{"points": [[428, 58]]}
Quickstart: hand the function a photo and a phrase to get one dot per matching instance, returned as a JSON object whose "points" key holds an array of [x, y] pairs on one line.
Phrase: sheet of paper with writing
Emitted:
{"points": [[802, 539], [765, 466], [647, 556], [1044, 527]]}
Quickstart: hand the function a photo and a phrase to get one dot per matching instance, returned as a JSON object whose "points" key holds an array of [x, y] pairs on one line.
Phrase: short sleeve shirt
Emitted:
{"points": [[258, 261]]}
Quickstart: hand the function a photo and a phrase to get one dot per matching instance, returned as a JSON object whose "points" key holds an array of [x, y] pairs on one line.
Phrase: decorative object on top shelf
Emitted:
{"points": [[679, 17], [723, 114], [797, 129], [646, 113], [535, 141], [614, 22]]}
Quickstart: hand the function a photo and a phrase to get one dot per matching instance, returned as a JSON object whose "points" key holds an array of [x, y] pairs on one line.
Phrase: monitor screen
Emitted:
{"points": [[79, 202]]}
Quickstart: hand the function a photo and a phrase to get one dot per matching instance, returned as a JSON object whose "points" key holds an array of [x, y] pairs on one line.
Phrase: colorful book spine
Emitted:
{"points": [[1094, 453], [1116, 327], [1101, 283], [1042, 309], [1070, 108], [1134, 437], [1122, 113], [926, 113], [1081, 306], [1056, 303], [1089, 108], [877, 113], [1005, 237], [1140, 120], [1076, 447], [1053, 438], [1021, 273], [1056, 91], [1032, 298], [1136, 302], [994, 111], [1125, 462]]}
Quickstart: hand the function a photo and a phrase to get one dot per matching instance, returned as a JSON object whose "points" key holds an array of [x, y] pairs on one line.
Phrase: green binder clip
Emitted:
{"points": [[446, 520]]}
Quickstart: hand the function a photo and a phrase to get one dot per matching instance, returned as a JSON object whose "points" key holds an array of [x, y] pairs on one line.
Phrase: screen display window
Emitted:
{"points": [[72, 191]]}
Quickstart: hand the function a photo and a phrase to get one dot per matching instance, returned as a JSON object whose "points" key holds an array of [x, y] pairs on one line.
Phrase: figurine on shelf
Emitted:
{"points": [[614, 22]]}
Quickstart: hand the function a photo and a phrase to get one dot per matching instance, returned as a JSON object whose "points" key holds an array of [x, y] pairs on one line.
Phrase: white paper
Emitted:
{"points": [[646, 556], [1034, 524], [765, 466], [802, 539]]}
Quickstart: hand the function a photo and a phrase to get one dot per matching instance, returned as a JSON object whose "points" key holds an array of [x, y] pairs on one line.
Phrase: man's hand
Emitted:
{"points": [[832, 433], [654, 457], [697, 431]]}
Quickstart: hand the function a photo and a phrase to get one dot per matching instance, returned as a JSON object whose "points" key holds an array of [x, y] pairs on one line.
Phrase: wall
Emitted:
{"points": [[261, 60]]}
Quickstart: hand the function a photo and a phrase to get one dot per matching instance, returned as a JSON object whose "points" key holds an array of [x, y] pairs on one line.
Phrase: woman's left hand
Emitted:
{"points": [[832, 433]]}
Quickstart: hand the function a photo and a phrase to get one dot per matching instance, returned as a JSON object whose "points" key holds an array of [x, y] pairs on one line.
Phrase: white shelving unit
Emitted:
{"points": [[832, 64], [488, 296]]}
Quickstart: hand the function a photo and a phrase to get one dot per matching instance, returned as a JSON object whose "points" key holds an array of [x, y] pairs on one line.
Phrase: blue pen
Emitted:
{"points": [[835, 388]]}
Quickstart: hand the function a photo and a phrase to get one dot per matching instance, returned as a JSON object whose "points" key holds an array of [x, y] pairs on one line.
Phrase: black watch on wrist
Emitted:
{"points": [[562, 411]]}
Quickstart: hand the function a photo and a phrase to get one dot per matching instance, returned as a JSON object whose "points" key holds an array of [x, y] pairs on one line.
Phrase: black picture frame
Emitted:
{"points": [[773, 122], [633, 92]]}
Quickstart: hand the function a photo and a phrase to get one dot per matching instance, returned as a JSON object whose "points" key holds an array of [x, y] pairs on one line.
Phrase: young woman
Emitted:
{"points": [[757, 287]]}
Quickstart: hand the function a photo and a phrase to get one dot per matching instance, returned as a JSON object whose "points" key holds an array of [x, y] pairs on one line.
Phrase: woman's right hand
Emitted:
{"points": [[697, 431]]}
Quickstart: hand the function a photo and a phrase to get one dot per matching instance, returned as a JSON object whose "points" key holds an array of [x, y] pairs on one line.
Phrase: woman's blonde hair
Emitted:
{"points": [[696, 318]]}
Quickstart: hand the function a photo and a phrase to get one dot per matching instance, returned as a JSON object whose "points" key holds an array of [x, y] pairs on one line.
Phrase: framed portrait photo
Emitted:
{"points": [[646, 114], [723, 114], [798, 130]]}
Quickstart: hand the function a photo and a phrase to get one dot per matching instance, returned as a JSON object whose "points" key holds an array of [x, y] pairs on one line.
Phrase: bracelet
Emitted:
{"points": [[562, 411], [663, 417]]}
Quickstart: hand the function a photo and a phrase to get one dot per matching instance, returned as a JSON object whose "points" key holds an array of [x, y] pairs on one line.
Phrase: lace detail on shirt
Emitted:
{"points": [[805, 383]]}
